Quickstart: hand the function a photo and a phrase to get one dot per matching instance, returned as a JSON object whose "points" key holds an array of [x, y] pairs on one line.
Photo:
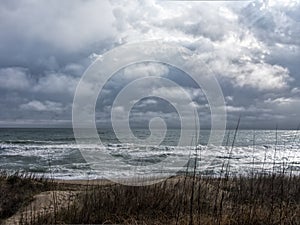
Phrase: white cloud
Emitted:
{"points": [[43, 106], [54, 83], [175, 94], [70, 25], [235, 109], [235, 51], [283, 101], [144, 70], [74, 68], [260, 76], [146, 103], [287, 107], [229, 99], [14, 79]]}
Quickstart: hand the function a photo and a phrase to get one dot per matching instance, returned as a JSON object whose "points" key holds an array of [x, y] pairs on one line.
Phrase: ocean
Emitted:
{"points": [[54, 153]]}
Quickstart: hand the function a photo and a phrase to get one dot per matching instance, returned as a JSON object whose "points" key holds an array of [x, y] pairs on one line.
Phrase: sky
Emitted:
{"points": [[253, 48]]}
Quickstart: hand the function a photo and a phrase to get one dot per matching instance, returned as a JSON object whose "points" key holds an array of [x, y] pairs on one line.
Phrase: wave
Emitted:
{"points": [[67, 162], [29, 142]]}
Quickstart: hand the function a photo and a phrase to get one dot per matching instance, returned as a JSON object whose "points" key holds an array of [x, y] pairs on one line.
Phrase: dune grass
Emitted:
{"points": [[18, 190], [259, 199]]}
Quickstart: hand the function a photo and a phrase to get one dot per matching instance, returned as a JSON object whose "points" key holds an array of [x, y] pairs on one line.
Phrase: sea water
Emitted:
{"points": [[54, 153]]}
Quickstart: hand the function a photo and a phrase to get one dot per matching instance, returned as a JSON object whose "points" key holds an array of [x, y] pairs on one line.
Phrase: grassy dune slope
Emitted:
{"points": [[259, 199]]}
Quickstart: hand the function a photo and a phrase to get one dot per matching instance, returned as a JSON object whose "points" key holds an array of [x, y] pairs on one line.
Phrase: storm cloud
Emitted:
{"points": [[252, 48]]}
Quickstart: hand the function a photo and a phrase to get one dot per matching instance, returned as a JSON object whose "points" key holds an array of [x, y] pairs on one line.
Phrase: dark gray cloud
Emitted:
{"points": [[252, 47]]}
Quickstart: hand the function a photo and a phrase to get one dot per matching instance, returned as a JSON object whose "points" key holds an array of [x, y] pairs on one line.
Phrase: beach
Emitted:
{"points": [[248, 180]]}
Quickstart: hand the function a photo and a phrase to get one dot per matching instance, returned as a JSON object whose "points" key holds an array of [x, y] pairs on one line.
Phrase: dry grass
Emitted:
{"points": [[18, 190], [260, 199]]}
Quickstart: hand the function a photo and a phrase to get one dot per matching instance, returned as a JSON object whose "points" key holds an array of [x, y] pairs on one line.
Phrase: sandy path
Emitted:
{"points": [[44, 202]]}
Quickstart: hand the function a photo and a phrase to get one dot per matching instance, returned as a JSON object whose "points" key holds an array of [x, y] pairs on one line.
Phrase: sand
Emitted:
{"points": [[51, 201]]}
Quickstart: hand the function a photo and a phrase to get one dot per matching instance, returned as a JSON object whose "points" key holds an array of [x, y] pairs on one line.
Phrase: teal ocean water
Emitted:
{"points": [[54, 153]]}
